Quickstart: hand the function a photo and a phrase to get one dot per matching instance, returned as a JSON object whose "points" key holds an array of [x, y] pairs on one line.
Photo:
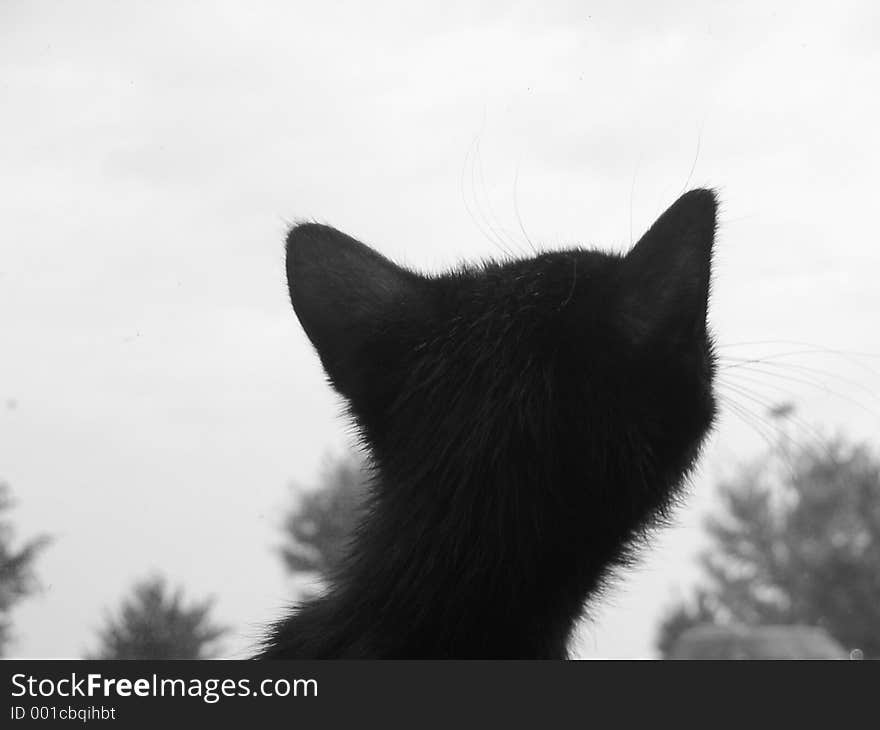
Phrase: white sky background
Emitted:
{"points": [[156, 393]]}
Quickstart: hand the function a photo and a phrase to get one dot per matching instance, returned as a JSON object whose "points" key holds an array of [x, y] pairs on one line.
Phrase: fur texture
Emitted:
{"points": [[527, 422]]}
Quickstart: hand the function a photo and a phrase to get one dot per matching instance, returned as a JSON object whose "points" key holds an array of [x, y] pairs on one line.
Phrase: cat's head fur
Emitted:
{"points": [[527, 421]]}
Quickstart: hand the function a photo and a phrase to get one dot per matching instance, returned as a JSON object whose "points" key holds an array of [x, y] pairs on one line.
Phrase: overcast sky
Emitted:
{"points": [[157, 396]]}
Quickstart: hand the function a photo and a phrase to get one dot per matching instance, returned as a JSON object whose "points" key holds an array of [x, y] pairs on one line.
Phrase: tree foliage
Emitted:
{"points": [[796, 541], [155, 622], [17, 577], [318, 526]]}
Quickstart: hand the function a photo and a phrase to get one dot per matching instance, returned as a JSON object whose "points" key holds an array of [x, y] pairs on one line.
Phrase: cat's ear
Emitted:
{"points": [[666, 276], [342, 291]]}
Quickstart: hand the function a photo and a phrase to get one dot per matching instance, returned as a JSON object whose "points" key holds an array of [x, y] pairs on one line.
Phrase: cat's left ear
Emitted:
{"points": [[666, 276], [342, 292]]}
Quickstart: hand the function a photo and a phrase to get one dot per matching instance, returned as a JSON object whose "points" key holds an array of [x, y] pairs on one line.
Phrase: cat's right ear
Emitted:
{"points": [[342, 291]]}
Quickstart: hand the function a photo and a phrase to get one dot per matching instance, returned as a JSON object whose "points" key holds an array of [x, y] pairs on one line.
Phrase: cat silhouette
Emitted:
{"points": [[527, 422]]}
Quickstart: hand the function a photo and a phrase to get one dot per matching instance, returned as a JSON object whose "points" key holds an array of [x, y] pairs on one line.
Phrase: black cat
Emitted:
{"points": [[527, 422]]}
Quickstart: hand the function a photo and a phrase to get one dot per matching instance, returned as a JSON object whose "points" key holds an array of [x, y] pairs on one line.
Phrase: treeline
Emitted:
{"points": [[792, 569]]}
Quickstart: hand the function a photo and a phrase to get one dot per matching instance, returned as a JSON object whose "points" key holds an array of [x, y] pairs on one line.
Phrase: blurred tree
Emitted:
{"points": [[686, 615], [320, 522], [154, 623], [17, 578], [796, 541]]}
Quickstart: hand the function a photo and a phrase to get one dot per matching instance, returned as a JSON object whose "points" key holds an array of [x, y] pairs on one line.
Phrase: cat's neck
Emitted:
{"points": [[493, 579]]}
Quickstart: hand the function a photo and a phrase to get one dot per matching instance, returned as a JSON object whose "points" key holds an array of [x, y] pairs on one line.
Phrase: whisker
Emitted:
{"points": [[769, 361], [850, 357], [473, 180], [747, 417], [490, 220], [632, 195], [470, 211], [696, 157], [766, 403], [760, 425], [813, 348], [753, 379], [816, 384], [516, 209]]}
